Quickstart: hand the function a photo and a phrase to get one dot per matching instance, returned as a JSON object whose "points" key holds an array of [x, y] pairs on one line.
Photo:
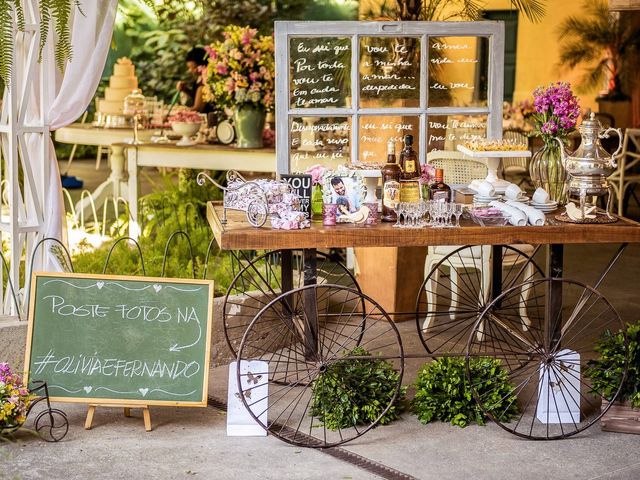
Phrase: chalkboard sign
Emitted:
{"points": [[128, 340], [345, 89], [302, 185]]}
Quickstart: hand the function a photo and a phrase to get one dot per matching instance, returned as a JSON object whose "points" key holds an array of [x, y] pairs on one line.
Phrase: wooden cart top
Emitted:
{"points": [[237, 234]]}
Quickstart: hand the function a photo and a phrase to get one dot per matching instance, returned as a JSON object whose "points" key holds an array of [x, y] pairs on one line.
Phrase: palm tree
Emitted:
{"points": [[605, 43], [443, 10]]}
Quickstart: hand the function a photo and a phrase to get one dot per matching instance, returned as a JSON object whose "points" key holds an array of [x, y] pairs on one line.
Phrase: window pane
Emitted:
{"points": [[320, 72], [376, 130], [458, 71], [324, 140], [446, 132], [389, 72]]}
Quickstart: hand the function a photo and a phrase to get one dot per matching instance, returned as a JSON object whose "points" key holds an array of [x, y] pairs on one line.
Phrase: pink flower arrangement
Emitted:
{"points": [[240, 69], [14, 398], [427, 174], [317, 173], [556, 111], [185, 116]]}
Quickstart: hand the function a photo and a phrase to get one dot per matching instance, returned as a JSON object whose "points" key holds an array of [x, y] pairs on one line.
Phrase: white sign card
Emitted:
{"points": [[240, 423], [559, 392]]}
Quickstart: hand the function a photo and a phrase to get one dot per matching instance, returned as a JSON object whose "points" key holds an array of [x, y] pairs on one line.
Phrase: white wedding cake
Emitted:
{"points": [[122, 83]]}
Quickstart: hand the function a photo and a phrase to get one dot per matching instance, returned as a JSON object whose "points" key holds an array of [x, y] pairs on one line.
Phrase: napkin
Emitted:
{"points": [[575, 213], [535, 216], [516, 217]]}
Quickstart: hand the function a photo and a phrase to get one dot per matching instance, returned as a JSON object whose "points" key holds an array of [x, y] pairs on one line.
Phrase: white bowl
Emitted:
{"points": [[186, 130]]}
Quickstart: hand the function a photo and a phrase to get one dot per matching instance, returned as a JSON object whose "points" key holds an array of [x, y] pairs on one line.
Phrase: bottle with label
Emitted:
{"points": [[410, 180], [439, 190], [391, 173]]}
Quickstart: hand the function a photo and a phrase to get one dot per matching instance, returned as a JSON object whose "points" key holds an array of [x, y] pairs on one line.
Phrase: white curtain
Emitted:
{"points": [[66, 96]]}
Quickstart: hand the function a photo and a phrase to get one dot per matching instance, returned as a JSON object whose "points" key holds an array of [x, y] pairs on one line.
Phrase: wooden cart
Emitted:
{"points": [[489, 297]]}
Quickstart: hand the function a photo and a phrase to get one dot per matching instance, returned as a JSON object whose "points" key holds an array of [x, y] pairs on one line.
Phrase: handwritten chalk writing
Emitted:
{"points": [[187, 315], [447, 46], [467, 60], [440, 61], [321, 127], [438, 86], [383, 88], [147, 313], [305, 80], [301, 65], [60, 307], [94, 365]]}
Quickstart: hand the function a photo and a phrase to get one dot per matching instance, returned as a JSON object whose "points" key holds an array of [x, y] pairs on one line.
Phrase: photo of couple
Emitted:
{"points": [[346, 192]]}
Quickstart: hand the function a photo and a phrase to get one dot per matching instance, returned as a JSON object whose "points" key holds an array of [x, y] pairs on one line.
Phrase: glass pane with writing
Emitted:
{"points": [[320, 72], [458, 71], [375, 131], [446, 132], [389, 72], [323, 140]]}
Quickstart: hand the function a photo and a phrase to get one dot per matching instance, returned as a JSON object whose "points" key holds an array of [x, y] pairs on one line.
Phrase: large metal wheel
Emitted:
{"points": [[549, 396], [316, 342], [259, 281], [459, 284]]}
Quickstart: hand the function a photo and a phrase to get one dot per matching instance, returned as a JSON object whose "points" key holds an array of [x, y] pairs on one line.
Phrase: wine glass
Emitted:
{"points": [[399, 213]]}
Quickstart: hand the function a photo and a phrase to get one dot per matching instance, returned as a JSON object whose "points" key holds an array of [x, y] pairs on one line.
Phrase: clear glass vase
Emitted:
{"points": [[547, 171]]}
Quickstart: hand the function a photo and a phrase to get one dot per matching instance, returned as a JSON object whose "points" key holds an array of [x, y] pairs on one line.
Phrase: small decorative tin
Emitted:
{"points": [[329, 213]]}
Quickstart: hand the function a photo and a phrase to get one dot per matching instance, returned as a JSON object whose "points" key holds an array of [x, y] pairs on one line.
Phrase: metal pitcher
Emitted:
{"points": [[589, 165]]}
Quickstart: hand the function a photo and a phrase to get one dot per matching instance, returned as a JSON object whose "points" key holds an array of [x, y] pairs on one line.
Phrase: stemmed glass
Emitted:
{"points": [[400, 210], [459, 208]]}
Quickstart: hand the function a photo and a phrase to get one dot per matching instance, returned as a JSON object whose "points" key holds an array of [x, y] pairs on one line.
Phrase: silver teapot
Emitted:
{"points": [[590, 165]]}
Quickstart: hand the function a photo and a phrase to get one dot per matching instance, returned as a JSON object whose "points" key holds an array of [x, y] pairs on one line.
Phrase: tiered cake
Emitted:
{"points": [[122, 83]]}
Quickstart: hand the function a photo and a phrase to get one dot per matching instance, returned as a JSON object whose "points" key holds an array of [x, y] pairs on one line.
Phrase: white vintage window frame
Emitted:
{"points": [[285, 30]]}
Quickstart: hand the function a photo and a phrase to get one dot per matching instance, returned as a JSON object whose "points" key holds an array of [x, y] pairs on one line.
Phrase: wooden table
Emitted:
{"points": [[535, 328]]}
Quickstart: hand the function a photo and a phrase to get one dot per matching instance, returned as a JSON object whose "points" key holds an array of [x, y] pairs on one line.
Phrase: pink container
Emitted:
{"points": [[372, 219], [329, 211]]}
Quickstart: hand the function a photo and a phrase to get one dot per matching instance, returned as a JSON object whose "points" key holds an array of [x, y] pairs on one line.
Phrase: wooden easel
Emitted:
{"points": [[146, 415]]}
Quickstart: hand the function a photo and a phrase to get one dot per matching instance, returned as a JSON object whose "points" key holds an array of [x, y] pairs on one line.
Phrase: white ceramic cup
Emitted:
{"points": [[485, 189], [512, 192], [540, 196]]}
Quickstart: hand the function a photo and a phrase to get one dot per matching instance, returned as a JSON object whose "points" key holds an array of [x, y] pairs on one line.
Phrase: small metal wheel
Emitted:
{"points": [[533, 383], [325, 357], [259, 281], [52, 425], [458, 285], [257, 213]]}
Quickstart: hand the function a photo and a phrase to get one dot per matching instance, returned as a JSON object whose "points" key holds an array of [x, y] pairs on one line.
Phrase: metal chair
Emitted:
{"points": [[628, 161], [518, 167], [460, 170]]}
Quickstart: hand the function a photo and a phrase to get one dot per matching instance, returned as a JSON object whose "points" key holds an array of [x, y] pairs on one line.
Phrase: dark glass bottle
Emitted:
{"points": [[439, 190], [391, 173], [409, 160]]}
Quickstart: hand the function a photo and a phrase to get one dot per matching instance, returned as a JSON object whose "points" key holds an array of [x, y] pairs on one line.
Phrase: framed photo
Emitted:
{"points": [[344, 188]]}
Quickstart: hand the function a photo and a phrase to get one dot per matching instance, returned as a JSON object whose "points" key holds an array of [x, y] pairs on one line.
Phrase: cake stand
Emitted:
{"points": [[492, 159]]}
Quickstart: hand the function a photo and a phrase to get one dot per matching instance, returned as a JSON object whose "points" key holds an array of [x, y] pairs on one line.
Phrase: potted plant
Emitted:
{"points": [[14, 400], [356, 392], [607, 44], [443, 392], [240, 76], [606, 374]]}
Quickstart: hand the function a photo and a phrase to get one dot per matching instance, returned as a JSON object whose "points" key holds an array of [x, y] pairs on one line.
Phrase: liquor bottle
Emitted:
{"points": [[410, 180], [391, 173], [409, 160], [439, 190]]}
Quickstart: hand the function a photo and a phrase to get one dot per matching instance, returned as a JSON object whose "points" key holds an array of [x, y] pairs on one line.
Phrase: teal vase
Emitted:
{"points": [[249, 125], [316, 201]]}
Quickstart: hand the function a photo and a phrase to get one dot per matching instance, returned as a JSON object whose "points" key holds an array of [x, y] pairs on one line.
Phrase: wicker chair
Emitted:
{"points": [[458, 170], [461, 171], [628, 163], [516, 168]]}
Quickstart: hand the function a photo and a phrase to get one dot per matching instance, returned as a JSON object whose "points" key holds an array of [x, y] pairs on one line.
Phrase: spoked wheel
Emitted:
{"points": [[325, 350], [457, 288], [259, 281], [52, 425], [537, 387]]}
